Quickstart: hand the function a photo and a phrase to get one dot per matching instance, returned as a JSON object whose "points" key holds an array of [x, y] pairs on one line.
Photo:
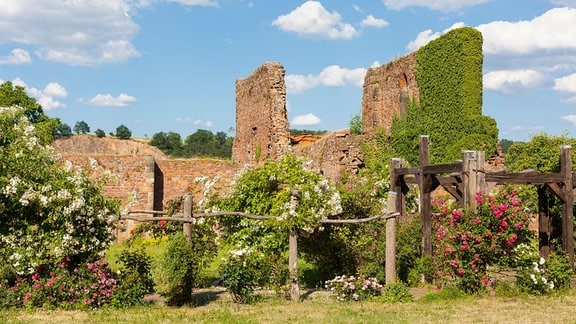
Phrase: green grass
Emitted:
{"points": [[319, 307]]}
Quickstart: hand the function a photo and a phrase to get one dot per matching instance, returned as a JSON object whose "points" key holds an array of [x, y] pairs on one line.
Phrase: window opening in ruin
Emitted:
{"points": [[403, 85]]}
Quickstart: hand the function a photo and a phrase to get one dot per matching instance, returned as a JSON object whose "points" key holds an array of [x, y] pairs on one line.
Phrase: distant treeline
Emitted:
{"points": [[201, 143], [307, 131]]}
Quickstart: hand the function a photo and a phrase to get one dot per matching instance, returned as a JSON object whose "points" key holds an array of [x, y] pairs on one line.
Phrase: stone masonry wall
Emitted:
{"points": [[387, 90], [262, 128], [332, 154], [143, 183], [180, 176]]}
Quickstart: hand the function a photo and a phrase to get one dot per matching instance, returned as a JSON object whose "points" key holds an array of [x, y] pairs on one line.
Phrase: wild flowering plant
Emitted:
{"points": [[67, 285], [347, 288], [50, 211], [467, 241], [538, 275]]}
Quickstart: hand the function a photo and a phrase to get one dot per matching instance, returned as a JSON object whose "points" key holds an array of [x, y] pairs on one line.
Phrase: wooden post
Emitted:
{"points": [[425, 209], [396, 186], [469, 178], [544, 222], [187, 227], [480, 173], [293, 252], [567, 206], [391, 238]]}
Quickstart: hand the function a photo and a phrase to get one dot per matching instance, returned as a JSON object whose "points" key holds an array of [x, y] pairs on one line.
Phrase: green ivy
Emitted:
{"points": [[449, 76]]}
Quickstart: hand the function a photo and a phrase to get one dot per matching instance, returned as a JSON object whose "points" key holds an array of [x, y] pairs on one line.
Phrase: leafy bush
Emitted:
{"points": [[68, 285], [423, 271], [55, 223], [178, 270], [540, 276], [467, 241], [238, 275], [397, 292], [347, 288], [135, 279]]}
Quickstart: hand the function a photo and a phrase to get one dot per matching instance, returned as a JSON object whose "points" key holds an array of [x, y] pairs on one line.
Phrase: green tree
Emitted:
{"points": [[356, 124], [100, 133], [16, 96], [122, 132], [201, 143], [81, 127], [541, 153], [11, 95], [505, 145], [169, 143], [63, 130]]}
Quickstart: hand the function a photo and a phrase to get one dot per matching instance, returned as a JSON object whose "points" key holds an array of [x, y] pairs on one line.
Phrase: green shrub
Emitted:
{"points": [[397, 292], [348, 288], [135, 279], [423, 271], [177, 272], [238, 276]]}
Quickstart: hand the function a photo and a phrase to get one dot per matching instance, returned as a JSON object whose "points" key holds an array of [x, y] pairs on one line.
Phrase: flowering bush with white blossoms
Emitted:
{"points": [[538, 275], [347, 288], [49, 211]]}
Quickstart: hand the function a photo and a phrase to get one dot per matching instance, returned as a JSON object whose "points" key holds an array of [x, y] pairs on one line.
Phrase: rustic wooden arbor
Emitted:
{"points": [[463, 179]]}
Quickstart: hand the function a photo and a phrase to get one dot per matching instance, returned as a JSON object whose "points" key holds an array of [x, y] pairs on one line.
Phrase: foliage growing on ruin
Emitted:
{"points": [[449, 76]]}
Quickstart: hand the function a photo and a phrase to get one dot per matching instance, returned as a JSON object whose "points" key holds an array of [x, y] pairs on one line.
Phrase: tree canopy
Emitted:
{"points": [[15, 96], [200, 143], [81, 127]]}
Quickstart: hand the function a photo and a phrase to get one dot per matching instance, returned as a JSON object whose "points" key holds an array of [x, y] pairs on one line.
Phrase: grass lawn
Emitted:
{"points": [[319, 307]]}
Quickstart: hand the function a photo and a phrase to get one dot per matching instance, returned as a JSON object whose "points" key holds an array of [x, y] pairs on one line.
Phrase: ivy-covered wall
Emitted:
{"points": [[449, 75]]}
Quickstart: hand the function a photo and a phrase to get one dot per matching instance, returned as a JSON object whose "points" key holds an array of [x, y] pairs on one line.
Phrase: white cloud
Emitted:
{"points": [[17, 56], [371, 21], [72, 32], [566, 3], [553, 30], [510, 81], [108, 100], [306, 120], [566, 84], [427, 36], [440, 5], [46, 97], [312, 19], [569, 118], [197, 122], [331, 76], [205, 3]]}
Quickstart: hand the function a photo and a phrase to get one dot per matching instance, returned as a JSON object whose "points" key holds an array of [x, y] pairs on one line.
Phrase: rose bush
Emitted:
{"points": [[467, 241]]}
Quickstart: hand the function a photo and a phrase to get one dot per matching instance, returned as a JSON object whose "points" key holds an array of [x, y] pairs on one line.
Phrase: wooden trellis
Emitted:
{"points": [[463, 179], [188, 217]]}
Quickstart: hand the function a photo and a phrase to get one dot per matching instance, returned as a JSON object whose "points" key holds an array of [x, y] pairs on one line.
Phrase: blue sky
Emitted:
{"points": [[171, 65]]}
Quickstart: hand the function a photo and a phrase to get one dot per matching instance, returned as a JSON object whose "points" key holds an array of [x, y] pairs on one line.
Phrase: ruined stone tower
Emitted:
{"points": [[262, 128], [387, 90]]}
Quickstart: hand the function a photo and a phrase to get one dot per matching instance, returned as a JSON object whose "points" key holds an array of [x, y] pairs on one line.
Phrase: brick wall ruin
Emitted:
{"points": [[387, 90], [262, 128]]}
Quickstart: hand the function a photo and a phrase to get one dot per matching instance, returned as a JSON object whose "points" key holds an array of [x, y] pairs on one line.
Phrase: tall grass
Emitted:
{"points": [[320, 307]]}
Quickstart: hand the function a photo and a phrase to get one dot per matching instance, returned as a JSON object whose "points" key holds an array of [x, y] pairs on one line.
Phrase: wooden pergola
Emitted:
{"points": [[463, 179]]}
